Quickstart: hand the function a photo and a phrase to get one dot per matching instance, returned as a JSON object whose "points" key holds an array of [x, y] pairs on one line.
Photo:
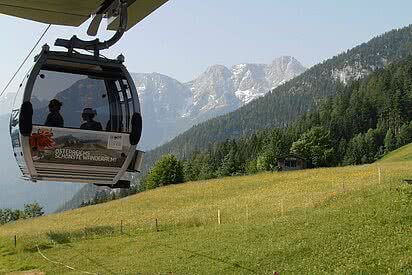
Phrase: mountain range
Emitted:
{"points": [[170, 107]]}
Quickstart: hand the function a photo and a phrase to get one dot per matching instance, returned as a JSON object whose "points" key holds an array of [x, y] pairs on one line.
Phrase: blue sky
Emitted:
{"points": [[184, 37]]}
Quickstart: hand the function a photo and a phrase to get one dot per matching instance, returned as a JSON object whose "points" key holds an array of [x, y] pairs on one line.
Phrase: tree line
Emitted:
{"points": [[30, 210]]}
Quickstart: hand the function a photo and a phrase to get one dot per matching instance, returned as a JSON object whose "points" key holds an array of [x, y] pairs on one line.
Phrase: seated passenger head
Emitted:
{"points": [[54, 105], [88, 114]]}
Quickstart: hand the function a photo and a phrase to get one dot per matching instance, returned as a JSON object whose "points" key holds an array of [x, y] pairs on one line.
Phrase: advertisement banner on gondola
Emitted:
{"points": [[78, 147]]}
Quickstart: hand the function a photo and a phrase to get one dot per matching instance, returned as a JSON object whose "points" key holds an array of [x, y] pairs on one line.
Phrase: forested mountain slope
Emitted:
{"points": [[367, 119], [296, 97]]}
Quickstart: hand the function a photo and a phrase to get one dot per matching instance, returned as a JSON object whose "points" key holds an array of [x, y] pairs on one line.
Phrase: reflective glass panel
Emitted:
{"points": [[62, 99]]}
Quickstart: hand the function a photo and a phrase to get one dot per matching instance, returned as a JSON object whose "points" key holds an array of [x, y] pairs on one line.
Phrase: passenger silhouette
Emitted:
{"points": [[88, 115], [54, 118]]}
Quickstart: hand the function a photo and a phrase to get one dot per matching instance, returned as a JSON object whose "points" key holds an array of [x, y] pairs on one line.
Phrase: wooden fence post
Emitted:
{"points": [[218, 217], [121, 226], [15, 241], [379, 172], [157, 226]]}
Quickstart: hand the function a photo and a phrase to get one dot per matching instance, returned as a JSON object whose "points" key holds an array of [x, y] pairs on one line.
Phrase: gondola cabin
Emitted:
{"points": [[77, 118]]}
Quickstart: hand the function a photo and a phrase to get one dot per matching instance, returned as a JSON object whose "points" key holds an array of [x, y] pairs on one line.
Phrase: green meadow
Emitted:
{"points": [[355, 219]]}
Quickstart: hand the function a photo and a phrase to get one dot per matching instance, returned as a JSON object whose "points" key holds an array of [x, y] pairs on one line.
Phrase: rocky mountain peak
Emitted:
{"points": [[170, 107], [217, 71], [283, 69]]}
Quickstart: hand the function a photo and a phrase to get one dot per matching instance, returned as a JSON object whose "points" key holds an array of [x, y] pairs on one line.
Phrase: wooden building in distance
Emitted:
{"points": [[292, 162]]}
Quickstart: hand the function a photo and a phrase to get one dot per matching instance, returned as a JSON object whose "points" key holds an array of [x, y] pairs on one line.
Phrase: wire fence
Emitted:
{"points": [[241, 215], [268, 209]]}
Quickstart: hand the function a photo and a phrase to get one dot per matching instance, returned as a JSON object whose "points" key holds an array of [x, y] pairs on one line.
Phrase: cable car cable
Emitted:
{"points": [[24, 61]]}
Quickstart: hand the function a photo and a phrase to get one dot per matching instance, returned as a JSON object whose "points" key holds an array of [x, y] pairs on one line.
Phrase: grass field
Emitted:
{"points": [[401, 154], [331, 220]]}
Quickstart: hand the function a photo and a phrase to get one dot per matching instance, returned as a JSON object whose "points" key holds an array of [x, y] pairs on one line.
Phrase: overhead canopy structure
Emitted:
{"points": [[74, 12]]}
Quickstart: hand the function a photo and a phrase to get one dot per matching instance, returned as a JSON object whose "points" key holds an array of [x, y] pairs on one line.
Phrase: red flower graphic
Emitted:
{"points": [[42, 140]]}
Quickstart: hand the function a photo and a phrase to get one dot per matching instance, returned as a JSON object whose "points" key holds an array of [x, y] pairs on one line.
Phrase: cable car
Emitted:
{"points": [[76, 117]]}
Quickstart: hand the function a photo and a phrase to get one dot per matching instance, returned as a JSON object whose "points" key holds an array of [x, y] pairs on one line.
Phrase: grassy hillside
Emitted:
{"points": [[402, 154], [335, 220]]}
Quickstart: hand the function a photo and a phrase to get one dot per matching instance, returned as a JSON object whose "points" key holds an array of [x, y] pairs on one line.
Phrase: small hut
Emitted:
{"points": [[292, 162]]}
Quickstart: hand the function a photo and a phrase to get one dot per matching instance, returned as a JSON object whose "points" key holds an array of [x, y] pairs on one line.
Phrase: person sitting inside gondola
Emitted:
{"points": [[90, 124], [54, 118]]}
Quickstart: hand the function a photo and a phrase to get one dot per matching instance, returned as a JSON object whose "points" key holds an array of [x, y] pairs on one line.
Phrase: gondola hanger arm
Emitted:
{"points": [[117, 7]]}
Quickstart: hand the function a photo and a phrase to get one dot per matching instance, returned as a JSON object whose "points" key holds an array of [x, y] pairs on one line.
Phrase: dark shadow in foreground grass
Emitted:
{"points": [[209, 257], [28, 268], [195, 253], [96, 263]]}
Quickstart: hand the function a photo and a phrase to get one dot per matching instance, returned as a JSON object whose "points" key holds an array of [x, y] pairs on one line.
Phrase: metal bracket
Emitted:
{"points": [[96, 45]]}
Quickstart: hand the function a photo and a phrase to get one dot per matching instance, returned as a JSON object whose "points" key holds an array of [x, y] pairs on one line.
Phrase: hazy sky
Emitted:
{"points": [[184, 37]]}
